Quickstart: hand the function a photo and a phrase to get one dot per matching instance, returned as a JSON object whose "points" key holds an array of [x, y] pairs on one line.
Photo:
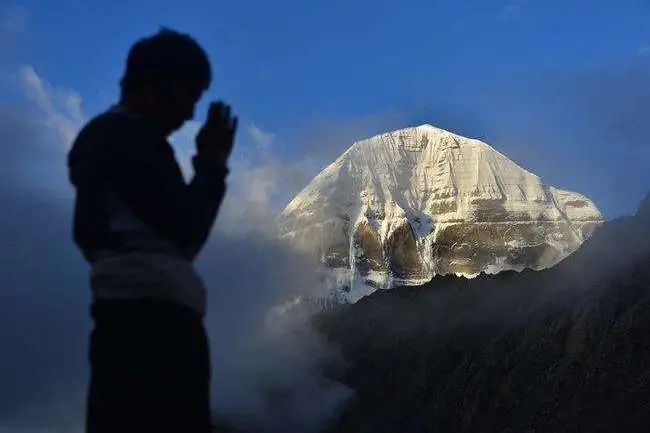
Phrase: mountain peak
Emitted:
{"points": [[405, 205]]}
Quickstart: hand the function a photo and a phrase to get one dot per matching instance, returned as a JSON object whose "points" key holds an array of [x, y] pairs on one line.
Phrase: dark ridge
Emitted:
{"points": [[559, 350]]}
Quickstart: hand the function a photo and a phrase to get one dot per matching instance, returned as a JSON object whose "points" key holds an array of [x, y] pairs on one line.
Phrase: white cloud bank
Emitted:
{"points": [[61, 107]]}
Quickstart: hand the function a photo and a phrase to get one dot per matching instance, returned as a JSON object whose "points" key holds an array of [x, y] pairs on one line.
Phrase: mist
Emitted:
{"points": [[267, 363]]}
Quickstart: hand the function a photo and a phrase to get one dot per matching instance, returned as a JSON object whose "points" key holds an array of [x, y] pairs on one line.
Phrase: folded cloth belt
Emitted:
{"points": [[148, 275]]}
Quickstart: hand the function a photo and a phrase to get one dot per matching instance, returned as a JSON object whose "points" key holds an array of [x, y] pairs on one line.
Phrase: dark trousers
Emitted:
{"points": [[150, 368]]}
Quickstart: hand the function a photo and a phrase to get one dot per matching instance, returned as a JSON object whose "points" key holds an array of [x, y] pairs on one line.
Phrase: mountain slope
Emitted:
{"points": [[406, 205], [559, 350]]}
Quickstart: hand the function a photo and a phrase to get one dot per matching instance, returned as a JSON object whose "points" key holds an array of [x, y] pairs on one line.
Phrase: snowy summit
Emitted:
{"points": [[405, 205]]}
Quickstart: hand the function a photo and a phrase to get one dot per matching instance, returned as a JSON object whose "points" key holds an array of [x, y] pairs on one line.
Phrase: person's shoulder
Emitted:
{"points": [[108, 131], [99, 137], [107, 124]]}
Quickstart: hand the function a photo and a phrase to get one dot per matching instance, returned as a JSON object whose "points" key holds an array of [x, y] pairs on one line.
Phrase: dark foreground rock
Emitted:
{"points": [[561, 350]]}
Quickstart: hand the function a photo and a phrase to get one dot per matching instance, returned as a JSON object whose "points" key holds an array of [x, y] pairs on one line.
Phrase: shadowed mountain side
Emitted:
{"points": [[559, 350]]}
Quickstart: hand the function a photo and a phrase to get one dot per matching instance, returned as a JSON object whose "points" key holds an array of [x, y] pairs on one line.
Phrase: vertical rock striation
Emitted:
{"points": [[406, 205]]}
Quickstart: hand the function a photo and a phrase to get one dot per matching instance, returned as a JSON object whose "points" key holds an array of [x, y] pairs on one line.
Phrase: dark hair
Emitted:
{"points": [[167, 57]]}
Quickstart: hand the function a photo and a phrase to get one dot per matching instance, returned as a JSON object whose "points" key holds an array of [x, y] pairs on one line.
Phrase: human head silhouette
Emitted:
{"points": [[165, 76]]}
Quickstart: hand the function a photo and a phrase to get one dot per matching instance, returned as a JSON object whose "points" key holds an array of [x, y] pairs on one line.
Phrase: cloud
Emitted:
{"points": [[37, 137], [258, 189], [262, 138], [61, 107], [260, 182], [183, 143], [267, 370], [268, 366]]}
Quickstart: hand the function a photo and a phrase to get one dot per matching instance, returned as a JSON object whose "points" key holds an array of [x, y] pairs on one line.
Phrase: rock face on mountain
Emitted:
{"points": [[559, 350], [406, 205]]}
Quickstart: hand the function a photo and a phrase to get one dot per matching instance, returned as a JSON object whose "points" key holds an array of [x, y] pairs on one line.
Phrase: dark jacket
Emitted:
{"points": [[131, 194]]}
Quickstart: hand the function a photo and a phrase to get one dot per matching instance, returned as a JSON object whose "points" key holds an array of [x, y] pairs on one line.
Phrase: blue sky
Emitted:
{"points": [[529, 77]]}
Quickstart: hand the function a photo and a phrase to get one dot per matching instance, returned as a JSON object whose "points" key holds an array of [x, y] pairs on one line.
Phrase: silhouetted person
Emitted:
{"points": [[140, 226]]}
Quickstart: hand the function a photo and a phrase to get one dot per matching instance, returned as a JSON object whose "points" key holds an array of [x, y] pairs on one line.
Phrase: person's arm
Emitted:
{"points": [[207, 190], [147, 177], [214, 143]]}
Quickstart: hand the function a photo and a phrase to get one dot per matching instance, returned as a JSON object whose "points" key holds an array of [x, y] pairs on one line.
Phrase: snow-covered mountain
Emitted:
{"points": [[403, 206]]}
